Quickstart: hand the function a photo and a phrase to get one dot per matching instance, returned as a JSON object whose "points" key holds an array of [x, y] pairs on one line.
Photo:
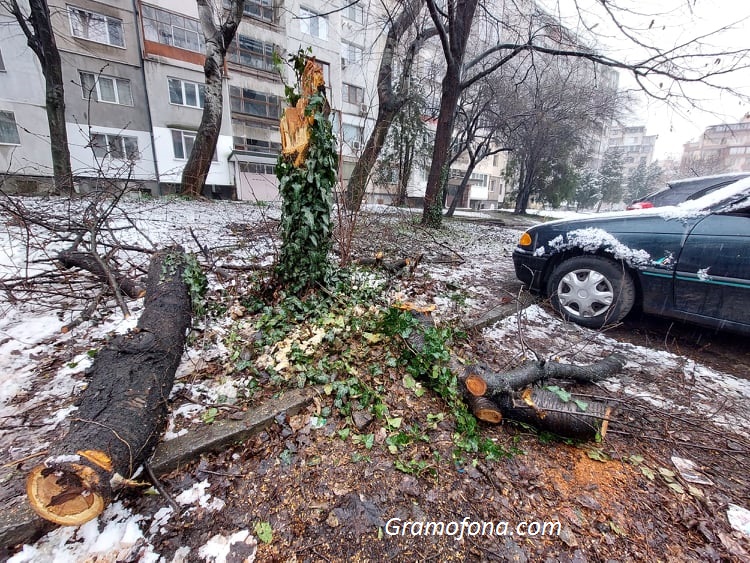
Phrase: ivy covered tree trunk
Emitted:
{"points": [[307, 172]]}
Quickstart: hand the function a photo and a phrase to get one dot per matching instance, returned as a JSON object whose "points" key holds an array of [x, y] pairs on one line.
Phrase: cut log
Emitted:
{"points": [[484, 409], [85, 261], [545, 410], [122, 412]]}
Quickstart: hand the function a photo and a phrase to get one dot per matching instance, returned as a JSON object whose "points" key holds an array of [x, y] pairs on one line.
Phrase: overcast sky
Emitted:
{"points": [[668, 24]]}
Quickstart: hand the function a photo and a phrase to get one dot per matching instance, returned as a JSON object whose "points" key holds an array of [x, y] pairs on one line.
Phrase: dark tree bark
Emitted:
{"points": [[123, 411], [218, 39], [390, 100], [85, 261], [454, 39], [37, 27]]}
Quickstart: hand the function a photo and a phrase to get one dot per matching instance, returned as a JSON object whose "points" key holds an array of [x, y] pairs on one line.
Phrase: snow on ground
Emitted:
{"points": [[721, 398], [42, 370]]}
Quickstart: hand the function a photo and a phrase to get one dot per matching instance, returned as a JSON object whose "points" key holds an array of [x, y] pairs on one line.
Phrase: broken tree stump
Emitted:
{"points": [[122, 412]]}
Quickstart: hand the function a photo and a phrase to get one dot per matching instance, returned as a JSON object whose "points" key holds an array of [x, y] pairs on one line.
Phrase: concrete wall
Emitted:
{"points": [[22, 92]]}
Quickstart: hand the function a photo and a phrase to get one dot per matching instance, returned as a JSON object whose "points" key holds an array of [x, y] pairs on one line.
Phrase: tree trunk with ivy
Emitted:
{"points": [[307, 172], [37, 27]]}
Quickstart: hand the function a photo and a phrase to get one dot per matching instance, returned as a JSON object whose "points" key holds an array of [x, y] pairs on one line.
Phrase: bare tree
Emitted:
{"points": [[480, 122], [219, 27], [37, 27], [660, 72], [393, 94], [561, 102]]}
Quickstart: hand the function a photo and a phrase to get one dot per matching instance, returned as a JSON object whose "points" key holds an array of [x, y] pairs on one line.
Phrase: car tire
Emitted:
{"points": [[591, 291]]}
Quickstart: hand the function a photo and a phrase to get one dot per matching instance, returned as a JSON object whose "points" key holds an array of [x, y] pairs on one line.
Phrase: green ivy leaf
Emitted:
{"points": [[264, 532]]}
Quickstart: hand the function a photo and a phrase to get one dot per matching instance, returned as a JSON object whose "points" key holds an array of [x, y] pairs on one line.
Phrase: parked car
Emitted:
{"points": [[687, 189], [689, 262]]}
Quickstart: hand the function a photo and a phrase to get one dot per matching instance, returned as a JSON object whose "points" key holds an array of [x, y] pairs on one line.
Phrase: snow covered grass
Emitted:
{"points": [[466, 272]]}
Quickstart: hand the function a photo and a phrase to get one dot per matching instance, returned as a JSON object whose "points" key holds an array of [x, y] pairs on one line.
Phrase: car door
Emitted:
{"points": [[712, 277]]}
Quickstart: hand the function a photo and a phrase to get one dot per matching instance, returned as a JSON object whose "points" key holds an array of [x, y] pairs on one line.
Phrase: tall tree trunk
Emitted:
{"points": [[406, 162], [390, 100], [432, 213], [41, 39], [218, 38], [461, 188], [357, 185], [453, 39]]}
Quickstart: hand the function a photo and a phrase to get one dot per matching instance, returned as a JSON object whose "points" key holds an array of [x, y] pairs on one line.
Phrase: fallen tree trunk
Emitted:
{"points": [[85, 261], [123, 411], [545, 410]]}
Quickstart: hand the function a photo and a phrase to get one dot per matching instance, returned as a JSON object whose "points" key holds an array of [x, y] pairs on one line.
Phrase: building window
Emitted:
{"points": [[172, 29], [313, 24], [115, 146], [182, 142], [260, 9], [256, 145], [355, 12], [244, 100], [96, 27], [107, 89], [257, 168], [350, 54], [251, 53], [8, 129], [353, 94], [184, 93], [353, 136]]}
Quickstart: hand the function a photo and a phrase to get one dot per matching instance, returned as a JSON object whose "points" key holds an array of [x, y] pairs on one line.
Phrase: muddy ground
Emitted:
{"points": [[311, 492]]}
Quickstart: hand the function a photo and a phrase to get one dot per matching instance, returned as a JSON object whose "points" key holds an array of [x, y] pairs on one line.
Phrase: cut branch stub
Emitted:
{"points": [[85, 261], [123, 411]]}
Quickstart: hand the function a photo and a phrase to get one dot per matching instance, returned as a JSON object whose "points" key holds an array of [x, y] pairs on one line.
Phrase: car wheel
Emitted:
{"points": [[591, 291]]}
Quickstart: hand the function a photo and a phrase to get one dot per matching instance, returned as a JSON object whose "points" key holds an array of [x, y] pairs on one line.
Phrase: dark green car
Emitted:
{"points": [[690, 262]]}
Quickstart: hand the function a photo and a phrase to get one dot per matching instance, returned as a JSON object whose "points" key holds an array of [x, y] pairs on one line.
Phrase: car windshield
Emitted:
{"points": [[723, 197]]}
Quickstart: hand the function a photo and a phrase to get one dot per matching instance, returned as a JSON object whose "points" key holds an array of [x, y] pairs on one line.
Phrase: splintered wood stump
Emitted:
{"points": [[122, 412]]}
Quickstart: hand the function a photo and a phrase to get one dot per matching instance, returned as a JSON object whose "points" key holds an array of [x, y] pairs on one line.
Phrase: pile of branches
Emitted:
{"points": [[53, 241]]}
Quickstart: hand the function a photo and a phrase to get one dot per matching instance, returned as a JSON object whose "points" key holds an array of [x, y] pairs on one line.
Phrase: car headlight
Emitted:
{"points": [[525, 240]]}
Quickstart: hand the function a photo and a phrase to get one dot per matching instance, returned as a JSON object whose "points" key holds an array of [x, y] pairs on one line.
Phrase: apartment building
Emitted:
{"points": [[134, 91], [107, 119], [636, 147], [25, 160], [722, 148]]}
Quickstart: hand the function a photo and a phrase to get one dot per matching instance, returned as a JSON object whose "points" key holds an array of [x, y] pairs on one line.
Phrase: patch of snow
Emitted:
{"points": [[114, 536], [591, 239], [218, 548], [197, 495]]}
